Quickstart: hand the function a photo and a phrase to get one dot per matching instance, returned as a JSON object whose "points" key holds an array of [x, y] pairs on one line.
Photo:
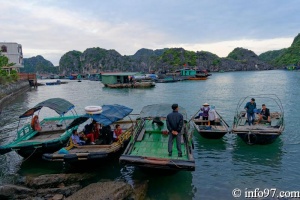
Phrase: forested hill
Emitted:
{"points": [[284, 57], [95, 60], [38, 64]]}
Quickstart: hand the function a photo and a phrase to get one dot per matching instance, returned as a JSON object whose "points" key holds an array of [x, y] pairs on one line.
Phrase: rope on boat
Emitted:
{"points": [[249, 137], [30, 155]]}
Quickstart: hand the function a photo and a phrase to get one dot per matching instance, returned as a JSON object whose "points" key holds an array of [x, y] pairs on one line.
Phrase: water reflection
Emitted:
{"points": [[160, 185]]}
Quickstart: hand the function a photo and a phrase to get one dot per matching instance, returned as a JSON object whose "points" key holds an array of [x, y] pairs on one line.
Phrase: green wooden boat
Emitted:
{"points": [[148, 147], [53, 136]]}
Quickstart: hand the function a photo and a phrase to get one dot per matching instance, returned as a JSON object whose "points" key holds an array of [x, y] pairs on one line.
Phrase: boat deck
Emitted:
{"points": [[152, 143], [265, 127]]}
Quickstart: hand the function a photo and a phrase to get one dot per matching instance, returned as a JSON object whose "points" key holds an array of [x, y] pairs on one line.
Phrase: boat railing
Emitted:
{"points": [[273, 97], [26, 130]]}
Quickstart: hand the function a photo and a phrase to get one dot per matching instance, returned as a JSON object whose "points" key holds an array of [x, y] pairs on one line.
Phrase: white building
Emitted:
{"points": [[14, 53]]}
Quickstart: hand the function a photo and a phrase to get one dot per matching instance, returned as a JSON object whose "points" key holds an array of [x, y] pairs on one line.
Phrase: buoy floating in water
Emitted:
{"points": [[93, 109]]}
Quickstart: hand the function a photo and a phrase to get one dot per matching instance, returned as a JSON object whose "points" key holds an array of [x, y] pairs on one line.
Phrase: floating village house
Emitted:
{"points": [[13, 51], [115, 78]]}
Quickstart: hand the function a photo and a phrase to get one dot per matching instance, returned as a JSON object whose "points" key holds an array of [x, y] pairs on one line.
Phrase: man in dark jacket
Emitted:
{"points": [[174, 125], [249, 107]]}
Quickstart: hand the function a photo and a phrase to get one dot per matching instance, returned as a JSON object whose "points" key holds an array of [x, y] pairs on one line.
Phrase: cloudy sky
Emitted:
{"points": [[53, 27]]}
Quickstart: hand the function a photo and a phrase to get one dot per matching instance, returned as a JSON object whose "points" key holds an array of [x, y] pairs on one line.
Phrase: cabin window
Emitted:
{"points": [[3, 48]]}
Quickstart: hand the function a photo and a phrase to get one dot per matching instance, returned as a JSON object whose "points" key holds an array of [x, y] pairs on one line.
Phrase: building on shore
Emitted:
{"points": [[13, 51]]}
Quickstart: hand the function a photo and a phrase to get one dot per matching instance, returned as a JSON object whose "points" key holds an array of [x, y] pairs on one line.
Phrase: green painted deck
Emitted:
{"points": [[155, 144]]}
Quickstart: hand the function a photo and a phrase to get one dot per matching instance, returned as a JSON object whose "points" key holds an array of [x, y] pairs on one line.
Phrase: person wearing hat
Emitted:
{"points": [[205, 109], [264, 114], [174, 125], [249, 107]]}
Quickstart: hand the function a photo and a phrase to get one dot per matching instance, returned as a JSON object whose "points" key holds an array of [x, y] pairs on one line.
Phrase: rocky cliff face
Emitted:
{"points": [[95, 60], [247, 60]]}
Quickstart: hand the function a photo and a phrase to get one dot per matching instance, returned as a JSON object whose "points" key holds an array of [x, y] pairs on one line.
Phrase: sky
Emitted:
{"points": [[51, 28]]}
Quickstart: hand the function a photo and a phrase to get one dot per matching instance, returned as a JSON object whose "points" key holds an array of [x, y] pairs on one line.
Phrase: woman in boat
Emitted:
{"points": [[205, 109], [117, 132], [35, 124]]}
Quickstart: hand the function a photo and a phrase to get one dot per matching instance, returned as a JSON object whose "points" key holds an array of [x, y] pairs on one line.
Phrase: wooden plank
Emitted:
{"points": [[141, 135]]}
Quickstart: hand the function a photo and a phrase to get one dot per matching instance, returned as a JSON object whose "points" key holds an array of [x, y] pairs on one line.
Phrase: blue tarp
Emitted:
{"points": [[109, 115]]}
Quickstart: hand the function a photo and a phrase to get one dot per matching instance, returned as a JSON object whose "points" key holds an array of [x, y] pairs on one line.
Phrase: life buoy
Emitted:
{"points": [[93, 109]]}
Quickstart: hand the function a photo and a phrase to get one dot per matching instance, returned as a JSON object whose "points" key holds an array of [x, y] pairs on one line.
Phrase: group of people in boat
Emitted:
{"points": [[95, 133], [251, 110]]}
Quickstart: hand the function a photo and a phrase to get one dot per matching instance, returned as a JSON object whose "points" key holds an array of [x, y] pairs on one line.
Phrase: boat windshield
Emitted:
{"points": [[160, 110]]}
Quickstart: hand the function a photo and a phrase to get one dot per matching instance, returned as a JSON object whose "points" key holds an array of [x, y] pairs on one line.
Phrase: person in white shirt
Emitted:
{"points": [[212, 115]]}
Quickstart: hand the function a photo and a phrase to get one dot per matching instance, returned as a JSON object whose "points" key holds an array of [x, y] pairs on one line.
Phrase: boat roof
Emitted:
{"points": [[59, 105], [109, 115], [160, 110]]}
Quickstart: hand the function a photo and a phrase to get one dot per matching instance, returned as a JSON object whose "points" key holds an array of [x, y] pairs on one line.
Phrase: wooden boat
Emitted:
{"points": [[264, 132], [53, 136], [148, 147], [216, 131], [111, 115], [132, 85], [197, 78]]}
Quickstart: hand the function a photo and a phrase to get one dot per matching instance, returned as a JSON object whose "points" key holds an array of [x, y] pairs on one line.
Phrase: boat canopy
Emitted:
{"points": [[109, 115], [160, 110], [59, 105]]}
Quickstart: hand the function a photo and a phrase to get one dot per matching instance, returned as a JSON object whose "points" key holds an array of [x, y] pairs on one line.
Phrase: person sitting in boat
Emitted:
{"points": [[107, 134], [264, 114], [249, 107], [89, 134], [35, 124], [212, 115], [205, 109], [76, 139], [117, 132]]}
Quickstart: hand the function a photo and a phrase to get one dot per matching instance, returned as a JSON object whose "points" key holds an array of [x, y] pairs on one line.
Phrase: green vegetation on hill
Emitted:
{"points": [[179, 57], [38, 64], [291, 56], [270, 56]]}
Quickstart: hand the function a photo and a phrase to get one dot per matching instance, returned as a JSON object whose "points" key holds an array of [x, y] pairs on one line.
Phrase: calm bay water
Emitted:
{"points": [[221, 165]]}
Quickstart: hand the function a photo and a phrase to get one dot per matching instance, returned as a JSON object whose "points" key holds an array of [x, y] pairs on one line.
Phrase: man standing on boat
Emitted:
{"points": [[250, 106], [174, 125]]}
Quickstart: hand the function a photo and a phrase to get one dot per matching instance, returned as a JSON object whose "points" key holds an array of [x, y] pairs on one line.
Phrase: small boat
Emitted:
{"points": [[216, 131], [58, 82], [110, 115], [53, 136], [148, 147], [263, 132]]}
